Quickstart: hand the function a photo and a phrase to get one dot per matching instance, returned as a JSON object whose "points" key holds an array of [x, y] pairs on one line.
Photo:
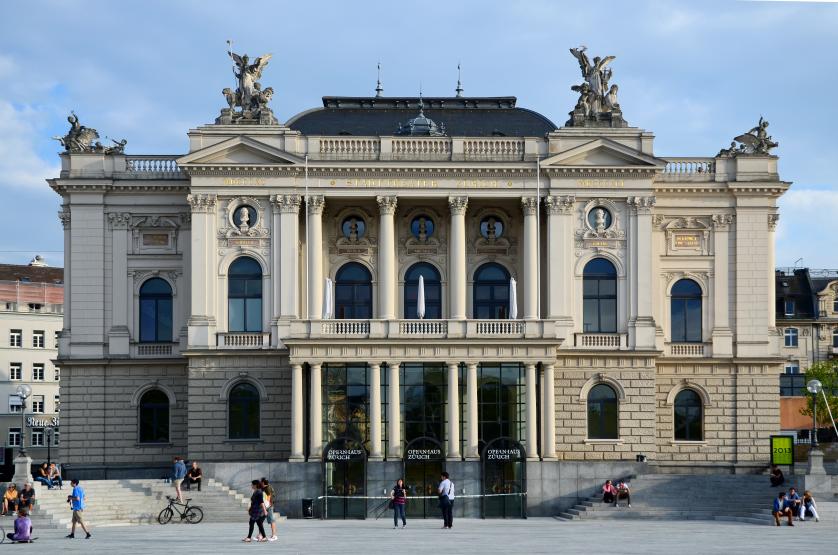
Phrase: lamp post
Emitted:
{"points": [[814, 387], [23, 391], [49, 433]]}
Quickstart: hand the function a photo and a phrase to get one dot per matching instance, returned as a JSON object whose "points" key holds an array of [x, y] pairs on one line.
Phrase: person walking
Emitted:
{"points": [[258, 511], [178, 474], [76, 500], [268, 491], [446, 500], [398, 497]]}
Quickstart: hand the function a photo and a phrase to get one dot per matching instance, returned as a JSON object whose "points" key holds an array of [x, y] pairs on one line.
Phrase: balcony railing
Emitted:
{"points": [[244, 340], [153, 167], [499, 328], [153, 350], [422, 149], [607, 341], [493, 149], [355, 328], [436, 328], [688, 349], [690, 169]]}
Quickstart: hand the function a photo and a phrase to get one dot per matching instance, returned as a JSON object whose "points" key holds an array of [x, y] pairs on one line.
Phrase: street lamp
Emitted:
{"points": [[814, 387], [23, 391]]}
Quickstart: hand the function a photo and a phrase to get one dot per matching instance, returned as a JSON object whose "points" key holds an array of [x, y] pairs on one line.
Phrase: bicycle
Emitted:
{"points": [[192, 514]]}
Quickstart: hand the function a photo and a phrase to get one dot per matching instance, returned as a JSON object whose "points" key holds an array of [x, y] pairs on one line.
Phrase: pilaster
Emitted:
{"points": [[453, 408], [202, 318], [722, 335], [394, 414], [529, 207], [315, 413], [560, 262], [118, 335], [641, 321], [297, 413], [375, 412]]}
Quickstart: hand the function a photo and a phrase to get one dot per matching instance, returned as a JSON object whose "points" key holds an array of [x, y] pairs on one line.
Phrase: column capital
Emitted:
{"points": [[387, 205], [772, 221], [64, 217], [286, 204], [119, 220], [458, 205], [641, 205], [202, 202], [722, 222], [315, 204], [529, 205], [559, 204]]}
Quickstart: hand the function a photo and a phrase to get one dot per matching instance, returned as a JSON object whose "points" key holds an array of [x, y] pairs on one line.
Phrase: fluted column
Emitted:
{"points": [[201, 323], [472, 450], [387, 258], [375, 412], [532, 413], [297, 413], [453, 411], [394, 414], [315, 407], [529, 206], [457, 258], [548, 449], [722, 334], [314, 256]]}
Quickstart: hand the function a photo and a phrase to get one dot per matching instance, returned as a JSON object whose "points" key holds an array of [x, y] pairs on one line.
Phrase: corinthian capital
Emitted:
{"points": [[772, 221], [64, 216], [315, 205], [641, 205], [722, 221], [119, 220], [529, 206], [559, 204], [387, 205], [288, 204], [202, 202], [458, 205]]}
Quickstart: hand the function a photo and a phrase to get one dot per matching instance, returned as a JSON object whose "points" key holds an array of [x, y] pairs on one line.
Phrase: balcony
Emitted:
{"points": [[421, 329], [689, 169], [600, 341], [244, 340], [350, 328], [154, 350], [688, 349]]}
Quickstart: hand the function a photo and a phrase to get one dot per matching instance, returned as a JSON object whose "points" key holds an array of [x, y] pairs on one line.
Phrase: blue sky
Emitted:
{"points": [[694, 73]]}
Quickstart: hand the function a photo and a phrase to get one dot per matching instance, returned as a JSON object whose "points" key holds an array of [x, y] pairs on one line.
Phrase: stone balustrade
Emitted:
{"points": [[350, 148], [612, 341], [430, 148], [153, 350], [691, 168], [437, 328], [244, 340], [153, 167], [355, 328], [687, 349], [493, 149]]}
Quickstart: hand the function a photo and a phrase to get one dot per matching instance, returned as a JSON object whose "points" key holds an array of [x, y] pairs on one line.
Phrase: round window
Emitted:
{"points": [[353, 228], [491, 227], [245, 215], [599, 218], [422, 227]]}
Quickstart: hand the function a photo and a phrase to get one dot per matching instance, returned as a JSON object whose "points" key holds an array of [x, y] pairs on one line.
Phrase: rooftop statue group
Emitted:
{"points": [[756, 142], [249, 96], [80, 139], [597, 105]]}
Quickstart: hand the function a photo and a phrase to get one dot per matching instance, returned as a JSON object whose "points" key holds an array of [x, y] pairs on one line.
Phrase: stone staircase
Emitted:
{"points": [[133, 502], [727, 497]]}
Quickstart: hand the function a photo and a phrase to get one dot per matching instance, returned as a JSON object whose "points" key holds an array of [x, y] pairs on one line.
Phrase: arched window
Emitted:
{"points": [[491, 292], [686, 312], [155, 311], [244, 295], [243, 410], [154, 417], [689, 417], [599, 297], [433, 291], [603, 413], [353, 292]]}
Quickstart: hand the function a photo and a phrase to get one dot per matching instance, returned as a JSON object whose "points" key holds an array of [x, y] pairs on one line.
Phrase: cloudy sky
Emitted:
{"points": [[694, 73]]}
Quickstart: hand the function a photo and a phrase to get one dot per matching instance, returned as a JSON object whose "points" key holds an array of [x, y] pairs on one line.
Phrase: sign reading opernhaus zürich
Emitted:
{"points": [[302, 300]]}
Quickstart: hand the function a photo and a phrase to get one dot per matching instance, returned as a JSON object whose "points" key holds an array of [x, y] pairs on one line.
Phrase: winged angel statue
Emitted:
{"points": [[80, 139], [249, 95], [756, 141], [597, 104]]}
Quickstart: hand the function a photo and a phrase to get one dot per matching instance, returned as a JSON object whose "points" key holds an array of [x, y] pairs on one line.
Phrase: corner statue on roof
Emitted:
{"points": [[80, 139], [757, 141], [249, 95], [597, 105]]}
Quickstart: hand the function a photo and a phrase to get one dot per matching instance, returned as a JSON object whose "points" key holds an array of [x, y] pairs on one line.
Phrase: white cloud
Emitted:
{"points": [[805, 228], [20, 166]]}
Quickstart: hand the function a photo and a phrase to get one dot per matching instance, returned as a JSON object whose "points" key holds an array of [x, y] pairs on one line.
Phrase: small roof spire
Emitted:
{"points": [[378, 88], [459, 89], [421, 102]]}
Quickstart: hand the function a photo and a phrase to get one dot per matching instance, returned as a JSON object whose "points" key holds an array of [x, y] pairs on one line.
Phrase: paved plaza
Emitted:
{"points": [[535, 535]]}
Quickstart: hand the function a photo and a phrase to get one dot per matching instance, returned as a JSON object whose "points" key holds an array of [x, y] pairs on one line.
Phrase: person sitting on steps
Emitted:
{"points": [[43, 476], [23, 528], [194, 476], [809, 506], [623, 492], [777, 477], [794, 501], [10, 499], [609, 493], [781, 509]]}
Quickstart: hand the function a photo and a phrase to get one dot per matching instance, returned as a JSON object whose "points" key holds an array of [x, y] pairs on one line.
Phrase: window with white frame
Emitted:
{"points": [[15, 371], [57, 333], [15, 338], [57, 373], [37, 437], [789, 305], [55, 436], [14, 437], [790, 335], [38, 339], [37, 372], [57, 403], [15, 404], [38, 404]]}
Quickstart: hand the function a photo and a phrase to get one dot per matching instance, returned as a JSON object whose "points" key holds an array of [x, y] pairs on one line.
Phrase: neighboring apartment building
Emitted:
{"points": [[31, 317], [807, 322]]}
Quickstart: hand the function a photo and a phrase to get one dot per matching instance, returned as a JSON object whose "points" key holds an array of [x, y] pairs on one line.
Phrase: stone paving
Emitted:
{"points": [[535, 535]]}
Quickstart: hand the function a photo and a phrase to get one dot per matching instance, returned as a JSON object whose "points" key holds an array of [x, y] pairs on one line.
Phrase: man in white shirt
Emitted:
{"points": [[446, 500]]}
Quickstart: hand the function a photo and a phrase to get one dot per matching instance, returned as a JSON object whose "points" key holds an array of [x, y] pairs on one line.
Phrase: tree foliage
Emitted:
{"points": [[827, 373]]}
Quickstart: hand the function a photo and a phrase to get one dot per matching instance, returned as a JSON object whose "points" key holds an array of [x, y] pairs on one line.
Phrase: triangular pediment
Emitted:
{"points": [[239, 151], [603, 153]]}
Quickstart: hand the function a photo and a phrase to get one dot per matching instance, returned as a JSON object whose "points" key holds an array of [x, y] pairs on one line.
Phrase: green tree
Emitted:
{"points": [[827, 373]]}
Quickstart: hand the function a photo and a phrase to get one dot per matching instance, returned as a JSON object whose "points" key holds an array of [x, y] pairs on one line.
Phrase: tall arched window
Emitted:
{"points": [[835, 338], [154, 417], [155, 311], [603, 413], [353, 292], [433, 291], [491, 292], [686, 312], [244, 295], [599, 297], [689, 417], [243, 411]]}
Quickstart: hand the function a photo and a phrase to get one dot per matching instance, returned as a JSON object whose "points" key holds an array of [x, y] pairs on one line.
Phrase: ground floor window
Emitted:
{"points": [[346, 402], [689, 417], [424, 393], [501, 398], [603, 413], [243, 411], [154, 417]]}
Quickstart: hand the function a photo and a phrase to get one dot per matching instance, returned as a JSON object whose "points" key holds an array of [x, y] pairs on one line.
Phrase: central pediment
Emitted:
{"points": [[603, 153], [239, 151]]}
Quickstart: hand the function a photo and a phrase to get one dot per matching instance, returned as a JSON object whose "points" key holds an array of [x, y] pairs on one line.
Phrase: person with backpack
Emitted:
{"points": [[268, 491], [446, 500], [398, 500]]}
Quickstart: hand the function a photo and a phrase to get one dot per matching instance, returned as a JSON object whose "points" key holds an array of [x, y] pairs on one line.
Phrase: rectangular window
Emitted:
{"points": [[792, 385], [14, 437], [57, 373], [501, 401], [15, 371], [835, 305], [37, 372], [57, 403], [38, 339], [37, 437], [15, 338], [424, 394], [790, 336], [789, 307], [792, 368], [57, 333], [15, 404], [346, 402], [55, 436], [38, 404]]}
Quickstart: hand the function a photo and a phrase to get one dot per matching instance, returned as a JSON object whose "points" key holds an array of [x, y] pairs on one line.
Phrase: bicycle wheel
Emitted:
{"points": [[194, 515], [2, 534], [165, 515]]}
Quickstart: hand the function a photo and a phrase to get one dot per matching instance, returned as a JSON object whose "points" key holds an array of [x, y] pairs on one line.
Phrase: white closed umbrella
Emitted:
{"points": [[327, 300], [420, 299], [513, 299]]}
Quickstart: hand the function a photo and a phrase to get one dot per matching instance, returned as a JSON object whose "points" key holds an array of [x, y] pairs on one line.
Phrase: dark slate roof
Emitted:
{"points": [[33, 274], [796, 286], [462, 116]]}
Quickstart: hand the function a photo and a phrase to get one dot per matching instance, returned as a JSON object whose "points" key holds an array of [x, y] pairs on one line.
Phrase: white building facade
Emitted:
{"points": [[253, 304]]}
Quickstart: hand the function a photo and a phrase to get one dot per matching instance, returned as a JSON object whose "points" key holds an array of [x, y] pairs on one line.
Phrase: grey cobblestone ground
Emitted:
{"points": [[536, 535]]}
